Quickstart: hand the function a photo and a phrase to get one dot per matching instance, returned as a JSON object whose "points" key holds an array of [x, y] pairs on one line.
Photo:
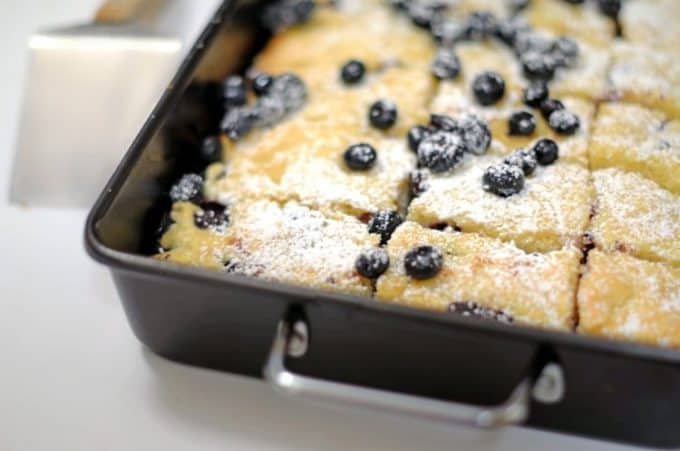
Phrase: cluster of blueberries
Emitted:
{"points": [[211, 215], [277, 97], [421, 262]]}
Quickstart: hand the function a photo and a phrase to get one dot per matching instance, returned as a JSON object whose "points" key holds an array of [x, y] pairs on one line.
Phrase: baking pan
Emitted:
{"points": [[344, 348]]}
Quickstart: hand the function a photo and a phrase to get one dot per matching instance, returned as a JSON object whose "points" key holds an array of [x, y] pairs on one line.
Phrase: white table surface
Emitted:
{"points": [[73, 377]]}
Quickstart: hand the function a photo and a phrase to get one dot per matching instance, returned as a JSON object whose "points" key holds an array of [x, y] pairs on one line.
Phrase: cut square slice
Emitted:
{"points": [[622, 297], [372, 33], [636, 216], [652, 23], [636, 139], [302, 159], [646, 76], [484, 276], [287, 243], [551, 211]]}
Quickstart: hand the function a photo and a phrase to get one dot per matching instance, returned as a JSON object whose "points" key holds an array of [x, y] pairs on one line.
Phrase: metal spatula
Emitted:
{"points": [[89, 89]]}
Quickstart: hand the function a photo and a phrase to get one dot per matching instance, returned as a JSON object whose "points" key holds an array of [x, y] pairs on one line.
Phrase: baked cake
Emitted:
{"points": [[511, 160]]}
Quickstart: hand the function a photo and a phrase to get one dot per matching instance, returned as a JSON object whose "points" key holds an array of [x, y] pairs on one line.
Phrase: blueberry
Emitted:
{"points": [[610, 8], [383, 114], [399, 5], [565, 51], [423, 262], [384, 223], [352, 72], [575, 2], [237, 122], [475, 133], [416, 135], [528, 41], [212, 215], [290, 90], [234, 91], [503, 180], [360, 157], [521, 123], [448, 32], [474, 309], [536, 65], [525, 159], [508, 30], [443, 122], [480, 25], [211, 149], [548, 106], [268, 111], [423, 14], [261, 83], [564, 122], [187, 189], [535, 93], [488, 87], [546, 151], [441, 151], [285, 13], [372, 263], [418, 181], [446, 65]]}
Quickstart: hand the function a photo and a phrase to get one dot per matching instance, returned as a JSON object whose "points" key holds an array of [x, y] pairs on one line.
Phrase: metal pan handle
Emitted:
{"points": [[294, 342]]}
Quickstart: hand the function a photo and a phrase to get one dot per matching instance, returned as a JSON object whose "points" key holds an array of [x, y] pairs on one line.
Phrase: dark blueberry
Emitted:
{"points": [[548, 106], [360, 157], [187, 189], [525, 159], [384, 223], [488, 87], [521, 123], [575, 2], [383, 114], [237, 122], [261, 84], [423, 262], [565, 51], [610, 8], [211, 149], [536, 93], [538, 65], [508, 30], [441, 151], [474, 309], [234, 91], [212, 215], [503, 180], [564, 122], [481, 25], [448, 32], [446, 65], [285, 13], [424, 14], [372, 263], [416, 135], [399, 5], [475, 133], [290, 90], [528, 41], [443, 122], [352, 72], [419, 183], [547, 151], [268, 111]]}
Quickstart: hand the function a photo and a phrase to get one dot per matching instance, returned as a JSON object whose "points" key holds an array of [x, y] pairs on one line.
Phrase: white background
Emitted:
{"points": [[73, 377]]}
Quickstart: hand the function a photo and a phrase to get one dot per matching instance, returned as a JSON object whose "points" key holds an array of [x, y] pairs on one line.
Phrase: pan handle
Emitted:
{"points": [[293, 342]]}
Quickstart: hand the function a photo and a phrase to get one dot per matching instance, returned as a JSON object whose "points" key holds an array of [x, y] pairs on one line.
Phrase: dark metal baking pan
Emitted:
{"points": [[345, 348]]}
